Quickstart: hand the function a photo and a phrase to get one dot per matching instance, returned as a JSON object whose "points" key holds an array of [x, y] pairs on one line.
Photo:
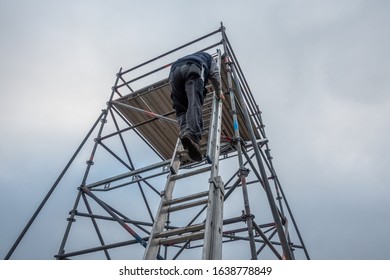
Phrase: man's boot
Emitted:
{"points": [[193, 148]]}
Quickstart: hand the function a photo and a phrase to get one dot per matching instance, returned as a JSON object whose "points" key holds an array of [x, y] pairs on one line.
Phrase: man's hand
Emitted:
{"points": [[221, 96]]}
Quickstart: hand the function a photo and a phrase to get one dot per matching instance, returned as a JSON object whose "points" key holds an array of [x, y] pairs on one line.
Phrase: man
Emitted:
{"points": [[188, 77]]}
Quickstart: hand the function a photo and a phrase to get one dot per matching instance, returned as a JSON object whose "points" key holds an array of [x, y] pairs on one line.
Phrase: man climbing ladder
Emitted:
{"points": [[188, 77], [191, 81]]}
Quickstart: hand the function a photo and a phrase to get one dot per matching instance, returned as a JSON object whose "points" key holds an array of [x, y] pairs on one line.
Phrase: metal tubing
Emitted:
{"points": [[172, 51], [145, 112], [213, 122], [269, 238], [71, 219], [279, 188], [122, 140], [259, 178], [252, 118], [162, 216], [212, 246], [115, 155], [140, 179], [158, 69], [126, 220], [86, 173], [139, 239], [266, 240], [95, 225], [191, 173], [294, 222], [242, 171], [274, 210], [136, 132], [97, 249], [241, 75], [131, 167], [46, 198], [278, 185], [129, 174]]}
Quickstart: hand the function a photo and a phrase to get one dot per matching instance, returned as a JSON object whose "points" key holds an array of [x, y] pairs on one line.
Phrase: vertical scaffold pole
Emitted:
{"points": [[73, 212], [243, 172], [287, 254]]}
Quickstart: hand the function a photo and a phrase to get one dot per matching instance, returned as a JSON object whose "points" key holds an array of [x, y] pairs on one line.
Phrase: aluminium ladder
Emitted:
{"points": [[211, 229]]}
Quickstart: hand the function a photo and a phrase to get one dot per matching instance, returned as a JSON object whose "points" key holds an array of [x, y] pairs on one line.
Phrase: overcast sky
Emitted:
{"points": [[319, 71]]}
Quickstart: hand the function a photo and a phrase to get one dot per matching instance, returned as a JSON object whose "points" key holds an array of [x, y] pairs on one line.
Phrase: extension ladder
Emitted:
{"points": [[211, 229]]}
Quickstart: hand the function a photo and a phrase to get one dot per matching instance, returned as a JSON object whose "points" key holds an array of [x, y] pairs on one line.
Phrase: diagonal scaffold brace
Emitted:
{"points": [[116, 218]]}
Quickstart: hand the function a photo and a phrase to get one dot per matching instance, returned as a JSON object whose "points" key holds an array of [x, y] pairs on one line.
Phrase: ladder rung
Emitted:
{"points": [[190, 173], [178, 231], [206, 115], [186, 198], [188, 205], [182, 238]]}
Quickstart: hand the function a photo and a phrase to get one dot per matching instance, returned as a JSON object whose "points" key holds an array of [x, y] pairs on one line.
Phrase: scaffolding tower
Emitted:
{"points": [[140, 195]]}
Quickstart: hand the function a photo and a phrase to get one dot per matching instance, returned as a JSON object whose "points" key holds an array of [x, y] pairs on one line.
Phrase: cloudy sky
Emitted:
{"points": [[319, 71]]}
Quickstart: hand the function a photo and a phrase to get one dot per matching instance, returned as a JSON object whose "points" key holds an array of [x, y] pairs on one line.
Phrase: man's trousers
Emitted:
{"points": [[187, 95]]}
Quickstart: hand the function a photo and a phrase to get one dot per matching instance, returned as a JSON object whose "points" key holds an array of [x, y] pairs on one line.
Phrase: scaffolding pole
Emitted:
{"points": [[274, 210]]}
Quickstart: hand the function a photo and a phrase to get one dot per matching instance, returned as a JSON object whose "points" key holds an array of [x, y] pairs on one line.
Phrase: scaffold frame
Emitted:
{"points": [[139, 114]]}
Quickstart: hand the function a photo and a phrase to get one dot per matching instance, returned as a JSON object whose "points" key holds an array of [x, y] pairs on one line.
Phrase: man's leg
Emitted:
{"points": [[188, 106], [179, 97], [194, 91], [181, 119], [194, 125]]}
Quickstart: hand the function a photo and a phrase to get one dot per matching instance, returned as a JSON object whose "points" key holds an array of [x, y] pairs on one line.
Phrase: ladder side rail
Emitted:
{"points": [[152, 247], [213, 119], [212, 246]]}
